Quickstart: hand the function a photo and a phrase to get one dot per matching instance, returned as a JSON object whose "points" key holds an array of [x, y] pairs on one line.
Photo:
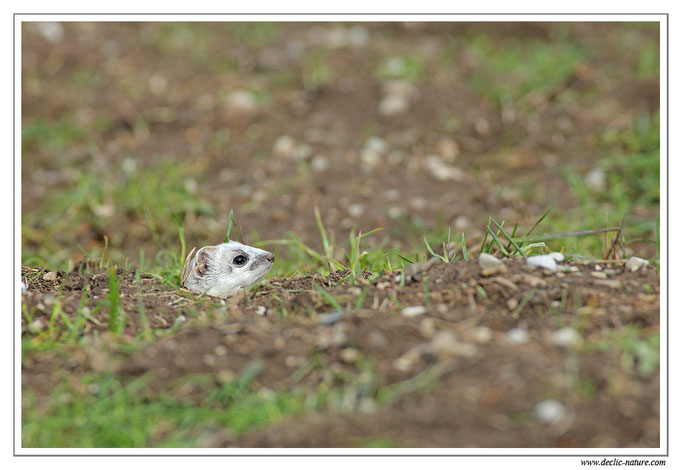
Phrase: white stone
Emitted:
{"points": [[393, 104], [542, 261], [595, 179], [51, 30], [462, 222], [241, 101], [445, 344], [517, 336], [486, 260], [319, 163], [284, 146], [413, 311], [358, 36], [356, 210], [377, 144], [566, 337], [395, 66], [441, 170], [558, 257], [634, 263], [370, 157], [480, 334], [550, 410]]}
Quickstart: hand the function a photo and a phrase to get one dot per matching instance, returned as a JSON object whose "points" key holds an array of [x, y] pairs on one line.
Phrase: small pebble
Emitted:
{"points": [[51, 276], [319, 163], [449, 150], [377, 339], [377, 144], [330, 318], [413, 311], [284, 146], [462, 222], [393, 104], [482, 126], [260, 310], [427, 327], [542, 261], [596, 179], [492, 270], [479, 334], [610, 283], [598, 274], [349, 355], [51, 30], [36, 327], [241, 101], [441, 170], [550, 410], [407, 360], [445, 344], [517, 336], [634, 263], [370, 157], [486, 260], [566, 337], [356, 210], [208, 359], [23, 286]]}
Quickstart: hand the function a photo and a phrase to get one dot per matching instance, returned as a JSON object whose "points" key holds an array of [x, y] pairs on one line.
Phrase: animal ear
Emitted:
{"points": [[202, 263]]}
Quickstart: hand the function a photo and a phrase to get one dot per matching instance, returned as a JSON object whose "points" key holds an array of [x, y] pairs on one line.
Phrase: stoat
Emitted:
{"points": [[221, 270]]}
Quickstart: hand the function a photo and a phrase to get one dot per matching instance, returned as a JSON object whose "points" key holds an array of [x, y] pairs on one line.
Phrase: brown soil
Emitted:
{"points": [[479, 389], [454, 378]]}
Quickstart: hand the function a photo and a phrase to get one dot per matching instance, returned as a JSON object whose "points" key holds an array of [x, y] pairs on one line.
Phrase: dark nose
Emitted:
{"points": [[270, 257]]}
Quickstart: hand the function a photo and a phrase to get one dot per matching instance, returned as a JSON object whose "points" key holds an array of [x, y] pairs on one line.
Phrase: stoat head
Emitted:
{"points": [[221, 270]]}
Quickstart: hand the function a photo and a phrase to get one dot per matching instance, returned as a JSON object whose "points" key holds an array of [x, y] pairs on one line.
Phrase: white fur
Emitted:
{"points": [[218, 275]]}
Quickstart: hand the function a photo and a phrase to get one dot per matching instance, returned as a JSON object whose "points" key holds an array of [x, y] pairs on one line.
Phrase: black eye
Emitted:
{"points": [[239, 260]]}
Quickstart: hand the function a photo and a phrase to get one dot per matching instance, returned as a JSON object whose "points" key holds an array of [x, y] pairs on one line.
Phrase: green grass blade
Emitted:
{"points": [[498, 242], [539, 220], [485, 236], [323, 233], [231, 224], [510, 238], [328, 297], [407, 260], [523, 303], [428, 247]]}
